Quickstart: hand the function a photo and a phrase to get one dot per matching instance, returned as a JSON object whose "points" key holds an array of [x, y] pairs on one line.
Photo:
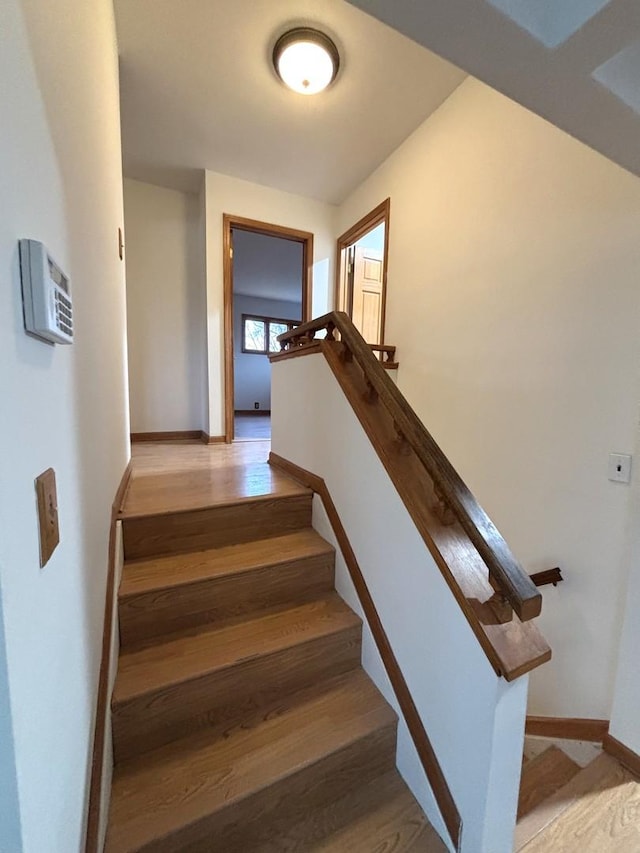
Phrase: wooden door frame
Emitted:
{"points": [[240, 223], [381, 213]]}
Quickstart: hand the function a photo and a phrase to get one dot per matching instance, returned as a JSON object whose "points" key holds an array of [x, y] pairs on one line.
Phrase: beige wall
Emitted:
{"points": [[625, 719], [514, 302], [225, 194], [63, 406], [165, 308]]}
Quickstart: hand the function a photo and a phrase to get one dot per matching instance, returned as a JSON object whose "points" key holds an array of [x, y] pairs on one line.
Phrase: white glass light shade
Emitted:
{"points": [[306, 61]]}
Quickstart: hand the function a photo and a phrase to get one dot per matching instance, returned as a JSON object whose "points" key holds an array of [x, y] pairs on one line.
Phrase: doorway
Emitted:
{"points": [[267, 291], [361, 282]]}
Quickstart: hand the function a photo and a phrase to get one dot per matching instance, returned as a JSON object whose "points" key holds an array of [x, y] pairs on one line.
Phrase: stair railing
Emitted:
{"points": [[497, 596]]}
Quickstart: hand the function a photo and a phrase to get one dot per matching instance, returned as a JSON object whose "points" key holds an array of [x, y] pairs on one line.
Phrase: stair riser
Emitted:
{"points": [[214, 527], [225, 698], [153, 614], [244, 825]]}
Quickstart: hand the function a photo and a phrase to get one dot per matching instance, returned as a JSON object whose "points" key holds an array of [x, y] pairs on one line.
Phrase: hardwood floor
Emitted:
{"points": [[189, 475], [545, 774], [242, 719], [251, 427], [565, 808], [160, 457], [243, 722]]}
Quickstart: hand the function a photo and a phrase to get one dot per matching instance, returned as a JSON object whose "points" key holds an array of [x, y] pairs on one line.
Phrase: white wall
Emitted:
{"points": [[65, 407], [474, 719], [225, 194], [252, 371], [165, 308], [10, 831], [266, 266], [625, 717], [513, 299]]}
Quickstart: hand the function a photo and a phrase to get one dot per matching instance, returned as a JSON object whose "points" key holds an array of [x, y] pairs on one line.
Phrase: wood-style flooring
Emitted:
{"points": [[568, 808], [174, 476], [251, 427], [256, 621], [242, 719]]}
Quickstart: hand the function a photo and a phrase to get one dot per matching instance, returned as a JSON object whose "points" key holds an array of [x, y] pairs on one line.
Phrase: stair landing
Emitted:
{"points": [[182, 476]]}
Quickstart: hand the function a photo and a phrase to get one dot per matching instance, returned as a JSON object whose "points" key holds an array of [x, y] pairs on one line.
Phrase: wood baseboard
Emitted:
{"points": [[212, 439], [256, 412], [92, 840], [171, 435], [626, 756], [570, 728]]}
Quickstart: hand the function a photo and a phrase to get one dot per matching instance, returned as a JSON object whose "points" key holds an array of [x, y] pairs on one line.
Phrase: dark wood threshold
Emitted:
{"points": [[254, 412], [439, 786], [626, 756], [97, 764], [570, 728]]}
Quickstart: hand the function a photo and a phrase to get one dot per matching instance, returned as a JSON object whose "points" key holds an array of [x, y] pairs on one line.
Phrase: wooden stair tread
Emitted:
{"points": [[184, 781], [165, 572], [603, 773], [543, 776], [153, 494], [381, 815], [600, 813], [187, 657], [393, 821]]}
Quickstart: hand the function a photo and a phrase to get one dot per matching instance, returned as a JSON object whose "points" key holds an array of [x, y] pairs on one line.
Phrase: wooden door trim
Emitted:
{"points": [[381, 213], [241, 223]]}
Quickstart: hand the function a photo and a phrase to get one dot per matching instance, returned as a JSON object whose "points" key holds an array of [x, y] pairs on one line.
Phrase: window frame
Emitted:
{"points": [[290, 324]]}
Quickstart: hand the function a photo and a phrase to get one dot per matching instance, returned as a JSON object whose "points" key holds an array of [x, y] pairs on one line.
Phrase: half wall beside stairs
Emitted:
{"points": [[453, 651]]}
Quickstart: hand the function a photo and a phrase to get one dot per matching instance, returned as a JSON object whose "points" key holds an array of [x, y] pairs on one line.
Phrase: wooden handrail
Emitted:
{"points": [[508, 578], [553, 576]]}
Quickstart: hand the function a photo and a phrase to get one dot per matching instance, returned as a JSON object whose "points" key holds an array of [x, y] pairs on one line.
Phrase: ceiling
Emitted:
{"points": [[198, 91], [573, 62], [267, 267]]}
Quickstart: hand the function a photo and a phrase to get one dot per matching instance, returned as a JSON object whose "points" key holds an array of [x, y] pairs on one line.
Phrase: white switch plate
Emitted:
{"points": [[620, 467]]}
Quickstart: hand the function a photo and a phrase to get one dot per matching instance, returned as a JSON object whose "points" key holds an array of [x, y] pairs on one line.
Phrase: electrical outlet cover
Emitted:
{"points": [[620, 467], [47, 514]]}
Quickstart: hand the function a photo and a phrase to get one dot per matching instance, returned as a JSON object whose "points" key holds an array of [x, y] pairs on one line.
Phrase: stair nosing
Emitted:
{"points": [[346, 740], [355, 622], [304, 492], [179, 583]]}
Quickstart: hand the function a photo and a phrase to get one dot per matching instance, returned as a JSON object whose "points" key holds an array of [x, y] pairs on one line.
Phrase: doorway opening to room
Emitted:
{"points": [[361, 281], [267, 291]]}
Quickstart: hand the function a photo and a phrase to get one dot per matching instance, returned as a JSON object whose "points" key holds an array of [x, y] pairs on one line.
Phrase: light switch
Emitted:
{"points": [[47, 514], [620, 467]]}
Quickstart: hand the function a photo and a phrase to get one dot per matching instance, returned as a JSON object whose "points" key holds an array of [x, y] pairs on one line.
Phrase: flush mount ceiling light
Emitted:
{"points": [[306, 60]]}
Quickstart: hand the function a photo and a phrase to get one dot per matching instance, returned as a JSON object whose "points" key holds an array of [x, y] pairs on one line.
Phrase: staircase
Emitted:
{"points": [[564, 806], [242, 719]]}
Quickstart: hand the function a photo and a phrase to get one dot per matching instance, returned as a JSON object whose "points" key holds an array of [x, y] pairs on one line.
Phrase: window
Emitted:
{"points": [[260, 334]]}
